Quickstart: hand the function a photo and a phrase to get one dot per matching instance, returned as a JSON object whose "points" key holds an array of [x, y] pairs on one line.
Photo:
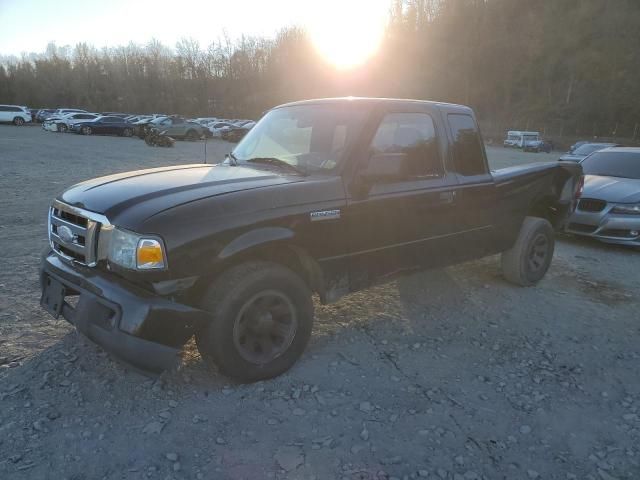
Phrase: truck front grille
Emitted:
{"points": [[73, 233]]}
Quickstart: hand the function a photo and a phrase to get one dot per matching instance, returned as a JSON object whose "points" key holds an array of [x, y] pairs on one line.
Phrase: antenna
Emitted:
{"points": [[205, 149]]}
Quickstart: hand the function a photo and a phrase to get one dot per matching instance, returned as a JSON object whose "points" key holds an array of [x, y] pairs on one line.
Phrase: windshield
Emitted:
{"points": [[308, 137], [590, 148], [613, 164]]}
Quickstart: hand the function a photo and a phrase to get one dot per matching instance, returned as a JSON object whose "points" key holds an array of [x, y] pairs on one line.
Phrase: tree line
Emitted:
{"points": [[566, 67]]}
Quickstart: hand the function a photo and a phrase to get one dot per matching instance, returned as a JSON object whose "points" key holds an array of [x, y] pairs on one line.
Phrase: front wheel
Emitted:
{"points": [[86, 130], [262, 316], [127, 132], [18, 121], [530, 257], [62, 127]]}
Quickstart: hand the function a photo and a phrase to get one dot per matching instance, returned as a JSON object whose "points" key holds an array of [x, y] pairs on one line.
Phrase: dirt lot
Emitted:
{"points": [[451, 374]]}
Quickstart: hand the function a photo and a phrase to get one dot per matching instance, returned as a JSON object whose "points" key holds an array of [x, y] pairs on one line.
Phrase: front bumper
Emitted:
{"points": [[605, 226], [134, 325]]}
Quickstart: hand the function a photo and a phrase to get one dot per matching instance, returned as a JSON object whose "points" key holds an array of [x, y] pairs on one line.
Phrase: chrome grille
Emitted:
{"points": [[73, 233]]}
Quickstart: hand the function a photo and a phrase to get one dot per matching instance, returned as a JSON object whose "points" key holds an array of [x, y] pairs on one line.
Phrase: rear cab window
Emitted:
{"points": [[466, 148], [412, 134]]}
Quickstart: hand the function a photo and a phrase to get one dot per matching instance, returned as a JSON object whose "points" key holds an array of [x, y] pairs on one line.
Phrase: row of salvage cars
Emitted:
{"points": [[609, 207], [110, 123]]}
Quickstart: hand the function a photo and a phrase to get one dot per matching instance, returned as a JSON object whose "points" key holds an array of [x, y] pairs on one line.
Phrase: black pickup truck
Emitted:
{"points": [[324, 196]]}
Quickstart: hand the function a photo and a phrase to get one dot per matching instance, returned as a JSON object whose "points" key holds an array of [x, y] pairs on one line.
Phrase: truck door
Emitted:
{"points": [[403, 223], [476, 195]]}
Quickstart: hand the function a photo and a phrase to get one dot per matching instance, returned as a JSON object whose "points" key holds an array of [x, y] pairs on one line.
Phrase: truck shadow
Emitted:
{"points": [[402, 307]]}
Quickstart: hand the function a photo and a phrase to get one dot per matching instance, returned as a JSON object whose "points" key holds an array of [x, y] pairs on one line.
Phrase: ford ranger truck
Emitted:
{"points": [[321, 197]]}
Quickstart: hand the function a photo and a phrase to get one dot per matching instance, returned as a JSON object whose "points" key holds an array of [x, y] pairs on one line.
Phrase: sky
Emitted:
{"points": [[29, 25]]}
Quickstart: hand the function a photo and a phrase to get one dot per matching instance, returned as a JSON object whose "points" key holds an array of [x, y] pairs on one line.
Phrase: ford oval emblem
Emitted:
{"points": [[65, 234]]}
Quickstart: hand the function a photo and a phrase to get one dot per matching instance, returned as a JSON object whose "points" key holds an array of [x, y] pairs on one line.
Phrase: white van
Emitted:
{"points": [[15, 114], [518, 138]]}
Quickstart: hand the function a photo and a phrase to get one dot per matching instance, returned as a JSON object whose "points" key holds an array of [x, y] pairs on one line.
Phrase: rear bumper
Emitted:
{"points": [[134, 325]]}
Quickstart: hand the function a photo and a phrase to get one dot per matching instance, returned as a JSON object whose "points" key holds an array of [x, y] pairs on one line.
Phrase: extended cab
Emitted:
{"points": [[324, 196]]}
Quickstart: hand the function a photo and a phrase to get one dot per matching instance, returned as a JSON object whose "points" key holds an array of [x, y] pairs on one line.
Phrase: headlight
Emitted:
{"points": [[136, 252], [627, 209]]}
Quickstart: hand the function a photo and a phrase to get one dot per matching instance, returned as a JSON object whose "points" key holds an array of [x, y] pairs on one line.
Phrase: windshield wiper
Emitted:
{"points": [[233, 161], [276, 162]]}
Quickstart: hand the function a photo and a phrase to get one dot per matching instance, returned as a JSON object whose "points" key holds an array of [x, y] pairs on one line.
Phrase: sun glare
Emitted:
{"points": [[348, 34]]}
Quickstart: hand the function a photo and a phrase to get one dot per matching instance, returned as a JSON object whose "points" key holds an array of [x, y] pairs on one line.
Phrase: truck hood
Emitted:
{"points": [[144, 193], [612, 189]]}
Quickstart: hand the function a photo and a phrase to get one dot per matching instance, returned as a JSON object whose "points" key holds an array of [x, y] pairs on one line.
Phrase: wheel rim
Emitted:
{"points": [[87, 130], [19, 121], [265, 327], [538, 252]]}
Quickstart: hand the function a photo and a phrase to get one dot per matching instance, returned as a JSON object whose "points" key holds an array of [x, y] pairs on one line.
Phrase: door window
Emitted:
{"points": [[414, 135], [468, 155]]}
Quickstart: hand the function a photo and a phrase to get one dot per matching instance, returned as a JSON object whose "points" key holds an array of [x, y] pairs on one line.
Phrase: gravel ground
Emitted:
{"points": [[451, 374]]}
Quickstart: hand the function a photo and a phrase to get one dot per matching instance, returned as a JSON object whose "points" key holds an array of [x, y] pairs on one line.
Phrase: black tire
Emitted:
{"points": [[530, 257], [86, 130], [18, 121], [242, 301], [62, 127], [127, 132], [191, 135]]}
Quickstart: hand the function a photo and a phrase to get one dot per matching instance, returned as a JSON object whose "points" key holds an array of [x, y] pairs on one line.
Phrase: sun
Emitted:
{"points": [[348, 34]]}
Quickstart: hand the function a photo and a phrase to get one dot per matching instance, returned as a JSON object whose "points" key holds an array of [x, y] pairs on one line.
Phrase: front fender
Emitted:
{"points": [[255, 238]]}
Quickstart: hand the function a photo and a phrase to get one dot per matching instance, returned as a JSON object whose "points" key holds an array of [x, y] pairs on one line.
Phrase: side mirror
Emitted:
{"points": [[384, 167]]}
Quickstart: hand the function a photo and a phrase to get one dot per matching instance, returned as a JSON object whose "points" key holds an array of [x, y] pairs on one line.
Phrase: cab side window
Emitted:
{"points": [[414, 135], [468, 156]]}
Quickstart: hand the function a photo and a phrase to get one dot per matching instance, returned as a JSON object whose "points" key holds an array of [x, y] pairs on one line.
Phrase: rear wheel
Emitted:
{"points": [[530, 257], [262, 315], [62, 127], [127, 132], [192, 135], [18, 121], [86, 130]]}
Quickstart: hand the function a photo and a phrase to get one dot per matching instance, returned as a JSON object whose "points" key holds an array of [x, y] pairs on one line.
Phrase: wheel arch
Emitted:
{"points": [[555, 200], [270, 244]]}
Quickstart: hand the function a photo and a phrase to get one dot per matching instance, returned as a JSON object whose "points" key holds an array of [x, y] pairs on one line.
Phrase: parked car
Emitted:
{"points": [[518, 138], [63, 111], [115, 114], [217, 128], [44, 113], [65, 122], [142, 127], [71, 119], [585, 149], [537, 146], [178, 127], [310, 201], [15, 114], [234, 133], [609, 209], [104, 125], [573, 147]]}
